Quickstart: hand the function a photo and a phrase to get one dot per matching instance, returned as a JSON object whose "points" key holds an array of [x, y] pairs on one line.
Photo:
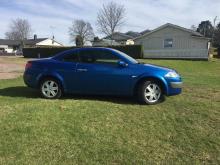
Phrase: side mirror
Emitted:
{"points": [[122, 64]]}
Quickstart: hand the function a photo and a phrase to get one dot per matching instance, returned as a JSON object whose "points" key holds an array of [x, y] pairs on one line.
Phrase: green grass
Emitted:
{"points": [[184, 129]]}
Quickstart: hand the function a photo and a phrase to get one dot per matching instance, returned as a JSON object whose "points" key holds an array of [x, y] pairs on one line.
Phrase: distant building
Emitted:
{"points": [[12, 46], [166, 41], [172, 41], [117, 38], [133, 34], [103, 42]]}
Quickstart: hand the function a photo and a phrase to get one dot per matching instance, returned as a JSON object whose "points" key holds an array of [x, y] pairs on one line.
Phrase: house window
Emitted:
{"points": [[168, 43]]}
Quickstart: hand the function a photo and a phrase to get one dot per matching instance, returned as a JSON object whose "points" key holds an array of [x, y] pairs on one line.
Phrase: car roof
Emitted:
{"points": [[91, 48], [79, 49], [84, 48]]}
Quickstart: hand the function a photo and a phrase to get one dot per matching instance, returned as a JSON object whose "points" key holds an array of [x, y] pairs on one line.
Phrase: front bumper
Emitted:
{"points": [[176, 84]]}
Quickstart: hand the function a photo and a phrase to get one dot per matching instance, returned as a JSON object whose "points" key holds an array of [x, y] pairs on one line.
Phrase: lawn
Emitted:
{"points": [[184, 129]]}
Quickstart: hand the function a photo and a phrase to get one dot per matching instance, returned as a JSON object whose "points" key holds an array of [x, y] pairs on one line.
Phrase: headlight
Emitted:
{"points": [[172, 74]]}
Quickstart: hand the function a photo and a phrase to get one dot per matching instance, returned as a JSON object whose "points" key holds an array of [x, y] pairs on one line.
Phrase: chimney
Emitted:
{"points": [[35, 36]]}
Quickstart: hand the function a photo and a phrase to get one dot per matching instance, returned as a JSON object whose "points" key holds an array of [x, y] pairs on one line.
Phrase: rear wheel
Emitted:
{"points": [[150, 92], [50, 89]]}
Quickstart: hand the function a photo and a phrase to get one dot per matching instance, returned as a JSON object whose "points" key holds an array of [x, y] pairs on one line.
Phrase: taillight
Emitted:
{"points": [[28, 65]]}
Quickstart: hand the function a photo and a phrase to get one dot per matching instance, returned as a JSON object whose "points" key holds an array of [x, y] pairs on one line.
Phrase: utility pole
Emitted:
{"points": [[52, 29]]}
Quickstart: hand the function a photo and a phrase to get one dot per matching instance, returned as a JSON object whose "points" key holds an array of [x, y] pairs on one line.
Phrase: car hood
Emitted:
{"points": [[154, 68]]}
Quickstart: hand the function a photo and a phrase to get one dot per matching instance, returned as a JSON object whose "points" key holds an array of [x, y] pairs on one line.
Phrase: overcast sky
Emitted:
{"points": [[55, 16]]}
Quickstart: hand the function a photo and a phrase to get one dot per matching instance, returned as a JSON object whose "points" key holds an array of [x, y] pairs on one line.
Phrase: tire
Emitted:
{"points": [[50, 88], [150, 92]]}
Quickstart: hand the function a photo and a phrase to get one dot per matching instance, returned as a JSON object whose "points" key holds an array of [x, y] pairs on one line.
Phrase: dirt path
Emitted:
{"points": [[11, 67]]}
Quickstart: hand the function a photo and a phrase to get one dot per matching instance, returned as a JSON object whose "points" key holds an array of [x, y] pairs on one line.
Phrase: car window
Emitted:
{"points": [[86, 56], [71, 57], [129, 58], [98, 57]]}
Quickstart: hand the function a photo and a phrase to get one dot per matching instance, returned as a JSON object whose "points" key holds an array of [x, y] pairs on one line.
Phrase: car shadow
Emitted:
{"points": [[25, 92], [19, 91]]}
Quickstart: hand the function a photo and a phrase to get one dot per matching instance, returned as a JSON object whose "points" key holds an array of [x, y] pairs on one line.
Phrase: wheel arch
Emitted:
{"points": [[160, 80], [53, 76]]}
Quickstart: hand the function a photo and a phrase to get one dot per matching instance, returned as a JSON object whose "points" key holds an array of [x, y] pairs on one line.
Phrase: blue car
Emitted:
{"points": [[101, 71]]}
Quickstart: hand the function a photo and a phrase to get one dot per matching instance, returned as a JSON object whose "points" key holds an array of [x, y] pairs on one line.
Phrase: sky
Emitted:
{"points": [[49, 17]]}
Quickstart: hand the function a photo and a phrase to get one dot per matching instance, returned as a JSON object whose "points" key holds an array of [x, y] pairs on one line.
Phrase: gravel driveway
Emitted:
{"points": [[11, 67]]}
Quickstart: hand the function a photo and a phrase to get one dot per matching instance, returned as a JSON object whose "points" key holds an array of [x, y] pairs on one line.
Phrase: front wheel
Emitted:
{"points": [[50, 89], [150, 92]]}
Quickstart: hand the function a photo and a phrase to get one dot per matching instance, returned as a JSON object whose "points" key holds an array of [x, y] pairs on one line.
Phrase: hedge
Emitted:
{"points": [[213, 52], [218, 56], [134, 51]]}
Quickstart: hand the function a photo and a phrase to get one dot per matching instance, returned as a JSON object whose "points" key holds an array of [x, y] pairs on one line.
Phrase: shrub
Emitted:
{"points": [[218, 53], [134, 51], [214, 52]]}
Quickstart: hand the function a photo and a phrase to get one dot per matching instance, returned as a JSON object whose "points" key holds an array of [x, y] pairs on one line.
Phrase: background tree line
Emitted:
{"points": [[109, 19], [209, 30]]}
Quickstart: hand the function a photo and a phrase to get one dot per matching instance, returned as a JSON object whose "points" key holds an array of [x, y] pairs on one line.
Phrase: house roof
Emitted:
{"points": [[17, 42], [9, 42], [34, 41], [133, 34], [145, 31], [193, 33], [117, 36]]}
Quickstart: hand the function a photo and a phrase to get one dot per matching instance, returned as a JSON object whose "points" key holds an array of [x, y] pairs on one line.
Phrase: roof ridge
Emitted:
{"points": [[173, 25]]}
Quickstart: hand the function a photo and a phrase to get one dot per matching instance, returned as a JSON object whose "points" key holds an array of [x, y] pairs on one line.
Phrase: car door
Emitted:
{"points": [[99, 73], [69, 62]]}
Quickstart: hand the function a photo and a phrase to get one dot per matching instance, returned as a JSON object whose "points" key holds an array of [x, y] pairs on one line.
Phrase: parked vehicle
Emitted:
{"points": [[101, 71]]}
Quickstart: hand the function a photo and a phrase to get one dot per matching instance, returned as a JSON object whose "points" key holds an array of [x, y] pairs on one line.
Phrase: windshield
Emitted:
{"points": [[130, 59]]}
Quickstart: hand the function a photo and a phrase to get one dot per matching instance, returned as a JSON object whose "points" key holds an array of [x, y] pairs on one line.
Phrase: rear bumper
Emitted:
{"points": [[30, 79]]}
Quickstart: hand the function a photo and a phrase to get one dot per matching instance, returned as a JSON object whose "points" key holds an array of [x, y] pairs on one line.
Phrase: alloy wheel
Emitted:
{"points": [[152, 93], [50, 89]]}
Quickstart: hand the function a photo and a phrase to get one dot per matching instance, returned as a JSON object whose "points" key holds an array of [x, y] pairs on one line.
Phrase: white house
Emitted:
{"points": [[172, 41], [8, 46], [12, 46]]}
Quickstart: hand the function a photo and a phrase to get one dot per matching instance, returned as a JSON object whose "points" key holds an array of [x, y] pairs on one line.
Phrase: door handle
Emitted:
{"points": [[82, 70]]}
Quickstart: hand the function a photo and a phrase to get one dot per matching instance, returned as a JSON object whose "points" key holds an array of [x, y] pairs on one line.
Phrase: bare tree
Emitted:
{"points": [[19, 29], [81, 30], [110, 18]]}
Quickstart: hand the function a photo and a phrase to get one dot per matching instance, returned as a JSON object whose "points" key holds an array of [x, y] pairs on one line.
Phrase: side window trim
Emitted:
{"points": [[75, 52], [110, 53]]}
